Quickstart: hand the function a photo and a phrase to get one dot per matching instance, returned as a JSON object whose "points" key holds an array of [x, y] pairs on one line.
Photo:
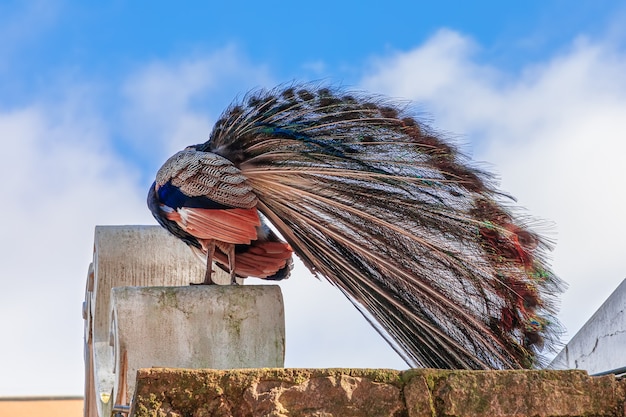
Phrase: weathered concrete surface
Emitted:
{"points": [[127, 256], [371, 392], [600, 345], [214, 326]]}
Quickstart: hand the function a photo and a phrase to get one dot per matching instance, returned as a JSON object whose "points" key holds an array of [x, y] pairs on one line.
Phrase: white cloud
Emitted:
{"points": [[554, 132], [165, 100], [59, 181]]}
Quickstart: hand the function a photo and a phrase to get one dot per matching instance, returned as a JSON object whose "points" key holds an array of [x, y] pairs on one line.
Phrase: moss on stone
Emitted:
{"points": [[376, 392]]}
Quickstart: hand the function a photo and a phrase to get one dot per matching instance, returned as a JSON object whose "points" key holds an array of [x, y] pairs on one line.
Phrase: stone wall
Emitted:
{"points": [[167, 392]]}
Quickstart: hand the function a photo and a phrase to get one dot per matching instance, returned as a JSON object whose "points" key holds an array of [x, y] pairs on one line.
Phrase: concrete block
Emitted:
{"points": [[127, 256], [217, 327], [136, 256], [600, 345]]}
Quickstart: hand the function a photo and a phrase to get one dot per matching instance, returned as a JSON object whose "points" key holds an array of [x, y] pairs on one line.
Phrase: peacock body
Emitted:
{"points": [[372, 200]]}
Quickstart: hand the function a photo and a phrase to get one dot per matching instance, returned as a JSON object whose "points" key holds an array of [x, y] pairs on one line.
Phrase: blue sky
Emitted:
{"points": [[94, 97]]}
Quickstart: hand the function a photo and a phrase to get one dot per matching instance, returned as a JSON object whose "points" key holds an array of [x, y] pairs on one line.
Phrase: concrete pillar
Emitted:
{"points": [[216, 327], [129, 325]]}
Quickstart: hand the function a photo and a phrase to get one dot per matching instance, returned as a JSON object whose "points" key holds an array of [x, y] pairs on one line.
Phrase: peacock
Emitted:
{"points": [[378, 203]]}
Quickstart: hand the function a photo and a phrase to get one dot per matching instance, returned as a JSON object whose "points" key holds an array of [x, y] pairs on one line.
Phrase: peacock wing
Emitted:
{"points": [[200, 174], [207, 197]]}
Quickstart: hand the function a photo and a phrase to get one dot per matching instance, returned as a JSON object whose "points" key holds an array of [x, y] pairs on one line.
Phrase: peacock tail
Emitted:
{"points": [[414, 235]]}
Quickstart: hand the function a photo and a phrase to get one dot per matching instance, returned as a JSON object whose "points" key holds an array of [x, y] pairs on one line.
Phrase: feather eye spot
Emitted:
{"points": [[389, 112], [324, 92], [349, 100], [254, 101], [409, 122], [236, 111], [369, 106], [288, 94], [305, 95], [328, 102]]}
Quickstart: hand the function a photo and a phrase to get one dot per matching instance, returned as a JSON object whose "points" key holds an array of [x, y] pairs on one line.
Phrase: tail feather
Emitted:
{"points": [[421, 241]]}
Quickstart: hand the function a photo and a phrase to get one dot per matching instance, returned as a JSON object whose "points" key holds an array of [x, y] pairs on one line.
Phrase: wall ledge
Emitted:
{"points": [[374, 392]]}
